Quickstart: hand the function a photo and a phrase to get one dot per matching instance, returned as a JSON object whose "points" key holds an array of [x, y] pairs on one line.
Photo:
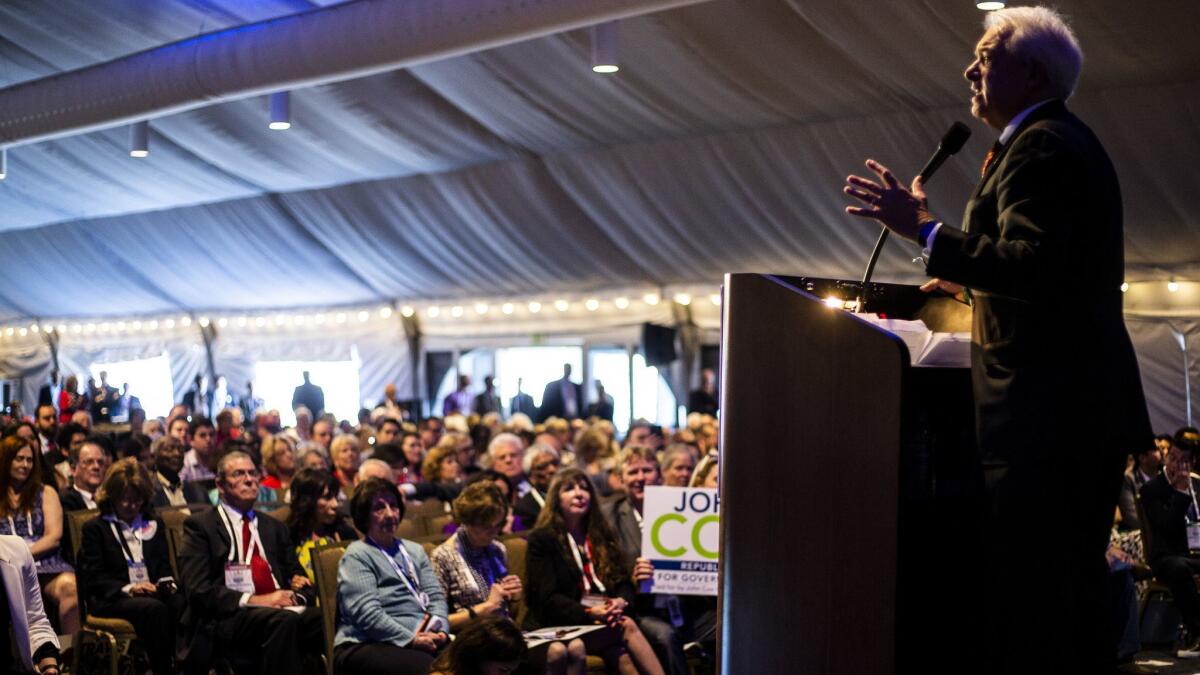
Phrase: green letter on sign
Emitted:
{"points": [[711, 555], [675, 552]]}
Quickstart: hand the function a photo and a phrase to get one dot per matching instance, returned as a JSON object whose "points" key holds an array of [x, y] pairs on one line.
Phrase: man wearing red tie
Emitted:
{"points": [[1058, 398], [248, 597]]}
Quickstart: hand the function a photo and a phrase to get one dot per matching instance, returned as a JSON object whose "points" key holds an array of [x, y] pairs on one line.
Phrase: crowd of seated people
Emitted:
{"points": [[263, 499]]}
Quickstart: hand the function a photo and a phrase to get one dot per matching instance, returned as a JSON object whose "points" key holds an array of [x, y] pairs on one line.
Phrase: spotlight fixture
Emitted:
{"points": [[990, 5], [407, 311], [281, 111], [621, 302], [683, 299], [260, 321], [1172, 286], [604, 48], [241, 321], [592, 304], [507, 308], [561, 305], [535, 307], [363, 316], [650, 299], [3, 163], [204, 322], [434, 311], [139, 139], [340, 317], [456, 311], [1124, 286], [184, 321], [385, 312], [481, 308]]}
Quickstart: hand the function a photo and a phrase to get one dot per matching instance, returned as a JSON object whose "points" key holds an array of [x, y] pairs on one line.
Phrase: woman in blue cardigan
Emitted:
{"points": [[392, 615]]}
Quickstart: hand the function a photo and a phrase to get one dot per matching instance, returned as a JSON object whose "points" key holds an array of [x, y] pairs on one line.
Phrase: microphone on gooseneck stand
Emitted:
{"points": [[954, 139]]}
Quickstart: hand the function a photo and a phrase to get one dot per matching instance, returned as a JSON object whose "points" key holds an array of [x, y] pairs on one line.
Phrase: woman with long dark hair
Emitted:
{"points": [[313, 520], [31, 510], [577, 577]]}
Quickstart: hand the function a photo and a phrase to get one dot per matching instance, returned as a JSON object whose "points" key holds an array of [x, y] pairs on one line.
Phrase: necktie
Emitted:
{"points": [[989, 158], [260, 570]]}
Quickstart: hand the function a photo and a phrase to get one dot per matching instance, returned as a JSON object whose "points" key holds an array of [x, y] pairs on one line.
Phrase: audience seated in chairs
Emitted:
{"points": [[488, 645], [278, 462], [169, 488], [392, 615], [239, 570], [664, 619], [34, 646], [1169, 504], [199, 459], [472, 567], [89, 463], [441, 467], [124, 568], [1147, 463], [344, 453], [31, 511], [313, 519], [577, 577], [541, 462]]}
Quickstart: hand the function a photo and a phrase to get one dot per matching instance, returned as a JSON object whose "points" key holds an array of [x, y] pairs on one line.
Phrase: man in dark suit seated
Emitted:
{"points": [[170, 489], [244, 584], [1169, 502], [540, 462], [89, 462]]}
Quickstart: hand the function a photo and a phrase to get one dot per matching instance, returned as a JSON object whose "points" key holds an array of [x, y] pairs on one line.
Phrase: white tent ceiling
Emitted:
{"points": [[720, 146]]}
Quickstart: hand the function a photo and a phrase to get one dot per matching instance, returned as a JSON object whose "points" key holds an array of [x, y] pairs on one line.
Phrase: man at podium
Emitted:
{"points": [[1058, 397]]}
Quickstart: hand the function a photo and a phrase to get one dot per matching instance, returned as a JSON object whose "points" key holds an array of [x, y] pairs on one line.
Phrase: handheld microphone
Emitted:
{"points": [[954, 139]]}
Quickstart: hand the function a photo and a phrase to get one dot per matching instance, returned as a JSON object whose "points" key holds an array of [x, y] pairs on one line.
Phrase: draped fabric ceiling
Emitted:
{"points": [[720, 146]]}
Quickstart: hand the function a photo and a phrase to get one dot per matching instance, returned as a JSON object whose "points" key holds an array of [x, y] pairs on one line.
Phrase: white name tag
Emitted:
{"points": [[238, 578], [1193, 536], [593, 600], [138, 573]]}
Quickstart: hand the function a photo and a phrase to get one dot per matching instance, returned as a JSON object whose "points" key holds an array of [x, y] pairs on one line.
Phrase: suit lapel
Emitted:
{"points": [[1045, 111]]}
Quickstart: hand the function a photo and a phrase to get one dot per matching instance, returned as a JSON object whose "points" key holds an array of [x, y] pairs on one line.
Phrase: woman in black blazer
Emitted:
{"points": [[576, 576], [124, 569]]}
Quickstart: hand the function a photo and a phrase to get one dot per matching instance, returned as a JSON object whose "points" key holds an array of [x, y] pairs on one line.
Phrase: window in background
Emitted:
{"points": [[276, 381], [537, 366], [652, 398], [149, 380]]}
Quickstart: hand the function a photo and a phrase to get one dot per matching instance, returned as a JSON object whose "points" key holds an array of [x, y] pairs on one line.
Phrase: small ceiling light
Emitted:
{"points": [[169, 324], [715, 299], [281, 111], [407, 311], [592, 304], [279, 319], [241, 321], [561, 305], [299, 319], [120, 325], [1124, 286], [61, 328], [604, 48], [1172, 286], [507, 308], [481, 308], [223, 322], [990, 5], [139, 139], [434, 311], [136, 325], [319, 319], [363, 316], [3, 163], [260, 321], [340, 317], [683, 299], [105, 327], [9, 332], [621, 302], [535, 307], [35, 328], [75, 328], [385, 312], [25, 331], [456, 311], [203, 322], [152, 325], [650, 299], [185, 321]]}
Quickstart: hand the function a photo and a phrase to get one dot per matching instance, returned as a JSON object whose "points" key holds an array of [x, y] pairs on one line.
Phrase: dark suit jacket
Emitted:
{"points": [[554, 591], [1166, 510], [527, 509], [102, 569], [602, 409], [189, 400], [73, 501], [193, 493], [46, 396], [553, 404], [202, 557], [1131, 484], [1042, 252], [523, 403], [310, 396]]}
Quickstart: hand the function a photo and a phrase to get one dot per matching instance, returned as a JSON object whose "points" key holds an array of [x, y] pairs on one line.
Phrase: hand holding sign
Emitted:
{"points": [[643, 569]]}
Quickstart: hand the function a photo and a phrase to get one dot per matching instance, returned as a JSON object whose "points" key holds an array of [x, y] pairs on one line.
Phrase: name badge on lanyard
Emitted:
{"points": [[137, 568], [237, 569], [409, 581], [591, 598]]}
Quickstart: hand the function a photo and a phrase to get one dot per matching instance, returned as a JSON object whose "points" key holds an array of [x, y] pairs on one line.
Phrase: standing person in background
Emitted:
{"points": [[105, 399], [198, 400], [603, 406], [487, 401], [48, 394], [704, 399], [561, 398], [69, 399], [310, 396], [458, 402], [522, 402], [249, 404]]}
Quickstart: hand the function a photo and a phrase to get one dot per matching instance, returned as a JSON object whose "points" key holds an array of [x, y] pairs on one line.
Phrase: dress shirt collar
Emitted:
{"points": [[235, 516], [1016, 121]]}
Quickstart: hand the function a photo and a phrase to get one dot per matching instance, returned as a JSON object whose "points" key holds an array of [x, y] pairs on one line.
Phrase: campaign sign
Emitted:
{"points": [[680, 533]]}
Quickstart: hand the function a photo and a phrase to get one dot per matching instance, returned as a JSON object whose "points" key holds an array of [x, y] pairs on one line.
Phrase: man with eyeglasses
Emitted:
{"points": [[248, 596]]}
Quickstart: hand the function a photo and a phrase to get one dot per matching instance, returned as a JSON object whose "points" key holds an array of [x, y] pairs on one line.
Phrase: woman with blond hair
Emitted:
{"points": [[278, 461], [344, 453]]}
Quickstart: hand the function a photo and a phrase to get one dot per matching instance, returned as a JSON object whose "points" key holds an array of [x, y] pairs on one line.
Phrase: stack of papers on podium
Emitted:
{"points": [[926, 348]]}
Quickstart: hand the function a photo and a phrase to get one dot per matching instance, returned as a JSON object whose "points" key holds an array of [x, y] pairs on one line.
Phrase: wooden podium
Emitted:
{"points": [[849, 483]]}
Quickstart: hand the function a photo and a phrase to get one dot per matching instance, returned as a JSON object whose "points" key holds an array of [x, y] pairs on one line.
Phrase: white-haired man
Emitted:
{"points": [[505, 452], [1043, 225]]}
